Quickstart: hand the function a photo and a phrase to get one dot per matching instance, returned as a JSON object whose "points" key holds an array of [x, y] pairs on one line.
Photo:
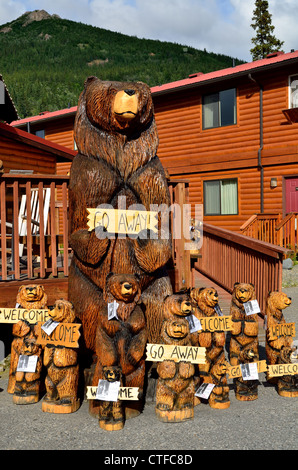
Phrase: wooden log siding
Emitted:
{"points": [[229, 257], [12, 187]]}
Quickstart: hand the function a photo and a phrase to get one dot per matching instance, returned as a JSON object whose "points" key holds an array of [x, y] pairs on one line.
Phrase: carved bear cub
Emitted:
{"points": [[116, 135], [121, 339], [175, 385], [111, 413], [62, 367], [31, 296]]}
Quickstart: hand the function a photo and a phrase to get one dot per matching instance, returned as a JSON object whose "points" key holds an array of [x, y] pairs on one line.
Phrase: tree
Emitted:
{"points": [[265, 42]]}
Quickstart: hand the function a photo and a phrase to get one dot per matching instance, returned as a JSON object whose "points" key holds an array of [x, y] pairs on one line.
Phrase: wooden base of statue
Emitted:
{"points": [[289, 394], [25, 399], [246, 390], [60, 408], [174, 416]]}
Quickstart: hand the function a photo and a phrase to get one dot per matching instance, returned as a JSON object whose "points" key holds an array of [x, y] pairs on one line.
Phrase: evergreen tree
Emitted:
{"points": [[265, 42]]}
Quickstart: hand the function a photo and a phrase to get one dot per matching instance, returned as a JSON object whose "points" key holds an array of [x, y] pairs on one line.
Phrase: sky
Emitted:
{"points": [[220, 26]]}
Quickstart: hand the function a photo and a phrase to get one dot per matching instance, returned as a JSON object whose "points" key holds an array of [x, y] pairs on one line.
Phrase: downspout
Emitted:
{"points": [[260, 166]]}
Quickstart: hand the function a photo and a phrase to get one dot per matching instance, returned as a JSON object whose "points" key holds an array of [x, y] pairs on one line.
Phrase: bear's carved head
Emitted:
{"points": [[178, 305], [32, 295], [277, 301], [123, 287], [63, 312], [243, 292]]}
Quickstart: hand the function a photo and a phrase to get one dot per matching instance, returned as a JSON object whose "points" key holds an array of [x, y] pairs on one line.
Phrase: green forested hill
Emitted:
{"points": [[45, 63]]}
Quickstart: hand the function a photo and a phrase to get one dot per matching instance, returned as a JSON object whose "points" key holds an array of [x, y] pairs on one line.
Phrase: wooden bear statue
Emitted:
{"points": [[246, 390], [244, 344], [177, 305], [205, 301], [27, 384], [31, 296], [62, 367], [117, 140], [121, 338], [287, 385], [244, 334], [275, 304], [219, 397], [111, 413], [175, 384]]}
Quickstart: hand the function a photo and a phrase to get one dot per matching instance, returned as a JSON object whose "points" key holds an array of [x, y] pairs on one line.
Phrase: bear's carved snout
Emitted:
{"points": [[126, 104]]}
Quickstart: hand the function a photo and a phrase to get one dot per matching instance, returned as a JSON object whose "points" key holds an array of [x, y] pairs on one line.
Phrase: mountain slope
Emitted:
{"points": [[45, 60]]}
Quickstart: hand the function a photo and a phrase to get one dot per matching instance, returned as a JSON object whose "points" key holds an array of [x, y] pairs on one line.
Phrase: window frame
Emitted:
{"points": [[290, 92], [219, 110], [220, 199]]}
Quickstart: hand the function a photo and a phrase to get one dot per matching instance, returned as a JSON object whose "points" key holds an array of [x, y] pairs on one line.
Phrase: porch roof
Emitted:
{"points": [[61, 153]]}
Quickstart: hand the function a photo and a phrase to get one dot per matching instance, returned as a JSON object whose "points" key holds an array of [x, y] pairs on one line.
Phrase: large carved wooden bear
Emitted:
{"points": [[116, 135]]}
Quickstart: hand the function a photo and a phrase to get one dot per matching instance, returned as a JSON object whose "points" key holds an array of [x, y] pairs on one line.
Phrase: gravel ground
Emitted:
{"points": [[290, 277], [268, 423]]}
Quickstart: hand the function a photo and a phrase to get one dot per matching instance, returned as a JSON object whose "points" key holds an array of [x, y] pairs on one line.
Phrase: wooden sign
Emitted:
{"points": [[125, 393], [129, 222], [235, 371], [65, 334], [223, 323], [172, 352], [281, 329], [13, 315], [278, 370]]}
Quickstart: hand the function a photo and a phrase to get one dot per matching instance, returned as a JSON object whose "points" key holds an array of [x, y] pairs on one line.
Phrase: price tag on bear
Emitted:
{"points": [[107, 391], [204, 390], [112, 310], [27, 363], [251, 307], [49, 326], [249, 371], [194, 323]]}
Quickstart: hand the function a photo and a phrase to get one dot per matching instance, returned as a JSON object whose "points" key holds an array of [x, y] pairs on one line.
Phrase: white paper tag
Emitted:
{"points": [[218, 310], [251, 307], [194, 323], [249, 371], [204, 390], [107, 391], [112, 310], [49, 326], [27, 363]]}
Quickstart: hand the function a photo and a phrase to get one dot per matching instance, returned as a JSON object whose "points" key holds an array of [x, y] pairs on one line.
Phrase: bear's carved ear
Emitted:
{"points": [[89, 80], [109, 275], [236, 284], [252, 285]]}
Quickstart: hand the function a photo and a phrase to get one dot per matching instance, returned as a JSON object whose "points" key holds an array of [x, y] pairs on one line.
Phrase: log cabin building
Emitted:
{"points": [[231, 133]]}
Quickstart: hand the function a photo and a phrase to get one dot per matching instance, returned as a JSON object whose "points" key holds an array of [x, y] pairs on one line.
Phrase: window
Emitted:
{"points": [[219, 109], [221, 197], [293, 91], [40, 133]]}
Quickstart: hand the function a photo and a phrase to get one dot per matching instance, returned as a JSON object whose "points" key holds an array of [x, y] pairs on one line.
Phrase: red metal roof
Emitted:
{"points": [[197, 79], [48, 115], [243, 69], [31, 139]]}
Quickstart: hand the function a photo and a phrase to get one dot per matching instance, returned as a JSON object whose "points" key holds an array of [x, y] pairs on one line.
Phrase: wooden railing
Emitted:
{"points": [[228, 257], [33, 225], [262, 227], [41, 230], [286, 232], [272, 228]]}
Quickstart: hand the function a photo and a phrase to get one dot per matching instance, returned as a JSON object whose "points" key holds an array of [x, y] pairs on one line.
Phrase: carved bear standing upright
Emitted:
{"points": [[121, 341], [111, 413], [244, 344], [175, 385], [205, 301], [62, 367], [27, 385], [275, 304], [31, 296], [116, 134]]}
